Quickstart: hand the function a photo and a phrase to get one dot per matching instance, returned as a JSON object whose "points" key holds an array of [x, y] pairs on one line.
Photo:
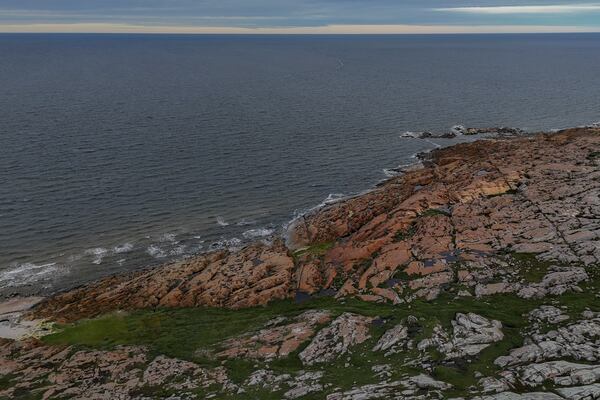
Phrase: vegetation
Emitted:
{"points": [[196, 333], [316, 250], [593, 155], [406, 233], [193, 333], [530, 268]]}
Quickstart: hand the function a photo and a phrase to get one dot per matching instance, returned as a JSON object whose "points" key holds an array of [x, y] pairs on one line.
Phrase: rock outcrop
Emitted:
{"points": [[471, 333], [253, 276], [337, 339], [277, 340]]}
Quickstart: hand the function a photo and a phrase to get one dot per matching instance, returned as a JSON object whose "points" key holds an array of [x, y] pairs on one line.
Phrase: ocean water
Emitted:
{"points": [[119, 152]]}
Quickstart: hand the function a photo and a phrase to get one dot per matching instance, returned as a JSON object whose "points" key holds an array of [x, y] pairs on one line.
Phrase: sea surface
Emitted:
{"points": [[119, 152]]}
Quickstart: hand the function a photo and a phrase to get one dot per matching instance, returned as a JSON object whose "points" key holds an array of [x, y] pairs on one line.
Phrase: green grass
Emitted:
{"points": [[530, 268], [405, 234], [182, 332], [316, 250]]}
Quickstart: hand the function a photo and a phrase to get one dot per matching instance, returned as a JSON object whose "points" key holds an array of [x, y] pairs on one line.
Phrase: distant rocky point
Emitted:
{"points": [[459, 130]]}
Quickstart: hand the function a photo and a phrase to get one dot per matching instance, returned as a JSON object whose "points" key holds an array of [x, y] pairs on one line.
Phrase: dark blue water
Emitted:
{"points": [[117, 152]]}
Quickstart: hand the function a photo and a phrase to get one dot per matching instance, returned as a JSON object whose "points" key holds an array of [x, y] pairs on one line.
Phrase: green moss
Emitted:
{"points": [[405, 234], [529, 267], [401, 274], [6, 381], [593, 155], [316, 250]]}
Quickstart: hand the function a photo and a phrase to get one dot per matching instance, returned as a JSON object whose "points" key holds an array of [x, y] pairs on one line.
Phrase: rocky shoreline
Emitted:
{"points": [[483, 262]]}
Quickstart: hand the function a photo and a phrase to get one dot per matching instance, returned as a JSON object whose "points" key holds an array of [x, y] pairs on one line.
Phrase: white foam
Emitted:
{"points": [[27, 273], [437, 146], [258, 233], [97, 253], [232, 244], [458, 130], [155, 251], [246, 222], [124, 248], [222, 222], [168, 237], [177, 251], [333, 198], [410, 134], [391, 172]]}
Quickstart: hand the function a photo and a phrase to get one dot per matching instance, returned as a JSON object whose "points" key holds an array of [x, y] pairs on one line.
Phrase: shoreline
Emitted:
{"points": [[295, 272], [474, 277], [280, 230], [229, 243]]}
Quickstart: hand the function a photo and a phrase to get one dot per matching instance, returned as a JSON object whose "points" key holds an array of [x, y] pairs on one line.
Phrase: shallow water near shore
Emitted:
{"points": [[120, 152]]}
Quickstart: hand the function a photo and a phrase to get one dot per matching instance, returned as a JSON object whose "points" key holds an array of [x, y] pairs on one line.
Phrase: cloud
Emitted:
{"points": [[503, 10], [325, 29]]}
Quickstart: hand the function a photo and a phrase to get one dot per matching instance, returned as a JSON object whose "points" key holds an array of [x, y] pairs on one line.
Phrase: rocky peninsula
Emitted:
{"points": [[473, 276]]}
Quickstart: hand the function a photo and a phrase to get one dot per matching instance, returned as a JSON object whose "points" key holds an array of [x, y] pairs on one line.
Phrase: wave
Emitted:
{"points": [[168, 237], [222, 222], [258, 233], [28, 273], [97, 253], [226, 244], [437, 146], [333, 198], [155, 251], [246, 222], [124, 248]]}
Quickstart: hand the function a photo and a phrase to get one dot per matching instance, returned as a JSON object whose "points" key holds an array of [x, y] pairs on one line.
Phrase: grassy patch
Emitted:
{"points": [[405, 234], [316, 250], [182, 332], [530, 268]]}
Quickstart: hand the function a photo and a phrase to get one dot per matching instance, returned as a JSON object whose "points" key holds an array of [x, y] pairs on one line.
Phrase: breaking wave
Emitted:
{"points": [[221, 222], [97, 254], [28, 273], [258, 233]]}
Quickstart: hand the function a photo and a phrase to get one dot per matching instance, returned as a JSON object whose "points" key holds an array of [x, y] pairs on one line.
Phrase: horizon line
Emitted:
{"points": [[399, 29]]}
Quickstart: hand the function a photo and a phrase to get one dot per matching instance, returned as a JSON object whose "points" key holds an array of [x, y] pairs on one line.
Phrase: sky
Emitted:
{"points": [[300, 16]]}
